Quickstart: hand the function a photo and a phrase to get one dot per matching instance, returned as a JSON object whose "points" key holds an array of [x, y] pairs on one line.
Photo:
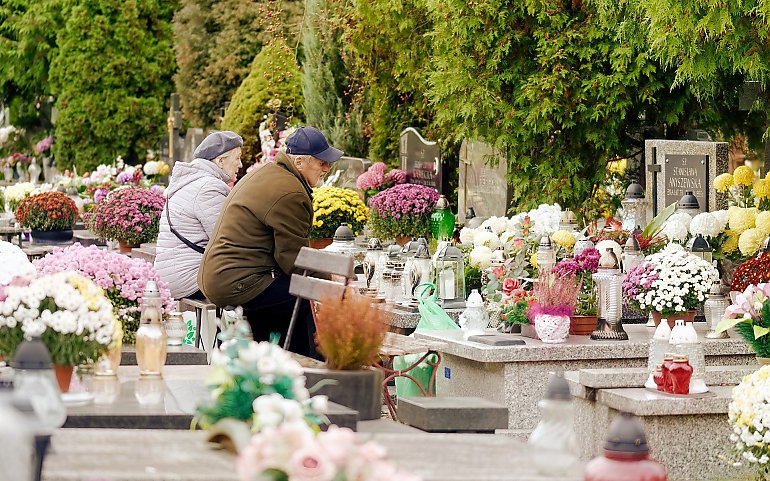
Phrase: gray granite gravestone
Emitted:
{"points": [[420, 159], [674, 167], [193, 137], [345, 171], [482, 184]]}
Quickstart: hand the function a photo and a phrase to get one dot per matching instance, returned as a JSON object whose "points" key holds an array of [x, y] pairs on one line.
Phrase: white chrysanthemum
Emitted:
{"points": [[545, 219], [705, 224], [466, 236], [675, 231], [14, 262], [480, 257], [497, 224], [483, 237], [721, 216], [151, 167]]}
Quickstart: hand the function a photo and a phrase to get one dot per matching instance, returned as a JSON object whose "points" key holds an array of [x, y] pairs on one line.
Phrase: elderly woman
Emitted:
{"points": [[196, 194]]}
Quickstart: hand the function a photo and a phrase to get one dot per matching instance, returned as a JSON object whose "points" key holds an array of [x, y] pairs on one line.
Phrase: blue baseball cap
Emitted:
{"points": [[310, 141]]}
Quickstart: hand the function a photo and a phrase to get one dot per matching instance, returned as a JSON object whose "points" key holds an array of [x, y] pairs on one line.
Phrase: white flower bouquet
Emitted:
{"points": [[670, 281], [749, 417], [14, 262], [258, 383], [68, 311]]}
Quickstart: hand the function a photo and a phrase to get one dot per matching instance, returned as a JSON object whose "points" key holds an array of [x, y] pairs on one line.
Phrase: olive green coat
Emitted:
{"points": [[264, 223]]}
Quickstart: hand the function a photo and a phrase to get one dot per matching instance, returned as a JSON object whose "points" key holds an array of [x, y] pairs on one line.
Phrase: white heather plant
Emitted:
{"points": [[749, 417]]}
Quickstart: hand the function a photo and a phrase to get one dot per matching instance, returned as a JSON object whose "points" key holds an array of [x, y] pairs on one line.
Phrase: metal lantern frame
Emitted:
{"points": [[449, 267]]}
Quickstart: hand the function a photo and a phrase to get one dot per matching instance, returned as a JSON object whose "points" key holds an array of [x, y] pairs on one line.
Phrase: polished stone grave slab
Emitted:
{"points": [[154, 455], [131, 402], [184, 355], [516, 376], [689, 435]]}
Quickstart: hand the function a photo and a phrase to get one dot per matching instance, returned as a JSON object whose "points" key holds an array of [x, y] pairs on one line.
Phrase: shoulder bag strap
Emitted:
{"points": [[179, 236]]}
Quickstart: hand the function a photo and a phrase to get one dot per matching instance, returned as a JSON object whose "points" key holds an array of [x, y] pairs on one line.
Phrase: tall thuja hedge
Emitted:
{"points": [[274, 75], [215, 42], [111, 77], [333, 102], [387, 40]]}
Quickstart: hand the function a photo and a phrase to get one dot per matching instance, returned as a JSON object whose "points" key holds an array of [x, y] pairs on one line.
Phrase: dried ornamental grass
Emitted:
{"points": [[350, 331]]}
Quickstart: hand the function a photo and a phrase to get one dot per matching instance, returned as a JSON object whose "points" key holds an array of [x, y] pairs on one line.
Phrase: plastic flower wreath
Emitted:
{"points": [[403, 210], [130, 214], [334, 205], [68, 311], [49, 211], [123, 279]]}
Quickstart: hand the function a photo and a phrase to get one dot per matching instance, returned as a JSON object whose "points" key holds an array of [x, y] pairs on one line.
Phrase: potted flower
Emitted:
{"points": [[123, 279], [375, 179], [750, 315], [555, 300], [75, 319], [582, 267], [129, 215], [331, 207], [403, 211], [50, 216], [746, 409], [349, 333], [15, 193], [669, 284]]}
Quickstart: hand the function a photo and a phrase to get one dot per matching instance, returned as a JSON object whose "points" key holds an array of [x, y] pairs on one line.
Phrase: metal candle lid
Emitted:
{"points": [[626, 435], [32, 355], [442, 203], [631, 245], [689, 201], [374, 244], [558, 389], [344, 233], [635, 191]]}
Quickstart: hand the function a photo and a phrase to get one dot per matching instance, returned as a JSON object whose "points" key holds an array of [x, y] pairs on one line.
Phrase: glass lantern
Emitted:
{"points": [[450, 277], [688, 204], [609, 296], [632, 255], [714, 309], [344, 243], [33, 378], [581, 244], [634, 207], [420, 271], [176, 329], [546, 255], [555, 450], [700, 247], [569, 221], [442, 220], [374, 263]]}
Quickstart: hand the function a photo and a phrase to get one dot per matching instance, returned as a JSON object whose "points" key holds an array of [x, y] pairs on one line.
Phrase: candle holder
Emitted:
{"points": [[609, 296], [714, 309]]}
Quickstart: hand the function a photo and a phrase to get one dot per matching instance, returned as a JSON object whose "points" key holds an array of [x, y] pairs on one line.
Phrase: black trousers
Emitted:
{"points": [[270, 313]]}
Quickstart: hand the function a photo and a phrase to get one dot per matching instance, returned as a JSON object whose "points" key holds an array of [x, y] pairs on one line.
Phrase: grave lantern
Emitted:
{"points": [[626, 455], [374, 263], [714, 309], [632, 255], [471, 220], [700, 247], [34, 378], [609, 296], [569, 222], [634, 207], [554, 445], [581, 244], [688, 204], [546, 255], [450, 277], [442, 220], [420, 271]]}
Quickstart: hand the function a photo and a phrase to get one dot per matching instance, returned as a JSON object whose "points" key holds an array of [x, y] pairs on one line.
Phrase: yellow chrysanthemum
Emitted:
{"points": [[763, 222], [723, 182], [742, 219], [750, 241], [533, 260], [743, 175], [564, 238], [762, 188], [731, 243]]}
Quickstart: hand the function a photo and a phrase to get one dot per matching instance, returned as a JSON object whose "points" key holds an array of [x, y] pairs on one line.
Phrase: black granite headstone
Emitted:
{"points": [[420, 159]]}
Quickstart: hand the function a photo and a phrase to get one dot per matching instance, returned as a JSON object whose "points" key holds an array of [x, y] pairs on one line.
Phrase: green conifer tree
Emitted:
{"points": [[111, 76]]}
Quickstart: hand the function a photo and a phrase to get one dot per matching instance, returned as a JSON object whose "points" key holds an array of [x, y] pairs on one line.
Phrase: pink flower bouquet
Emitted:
{"points": [[403, 210], [375, 179], [123, 279], [292, 452], [130, 214]]}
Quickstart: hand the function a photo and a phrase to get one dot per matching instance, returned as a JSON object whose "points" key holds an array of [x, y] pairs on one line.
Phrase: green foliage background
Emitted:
{"points": [[215, 42], [274, 75], [111, 75]]}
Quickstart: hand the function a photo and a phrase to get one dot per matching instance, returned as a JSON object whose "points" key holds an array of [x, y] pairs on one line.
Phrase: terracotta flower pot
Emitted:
{"points": [[125, 247], [320, 243], [402, 240], [688, 316], [582, 325], [63, 376]]}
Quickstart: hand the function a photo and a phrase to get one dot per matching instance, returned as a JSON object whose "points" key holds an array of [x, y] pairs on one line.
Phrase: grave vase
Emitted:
{"points": [[552, 329]]}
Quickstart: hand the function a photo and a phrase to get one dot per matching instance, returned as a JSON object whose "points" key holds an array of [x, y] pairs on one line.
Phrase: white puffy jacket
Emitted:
{"points": [[195, 195]]}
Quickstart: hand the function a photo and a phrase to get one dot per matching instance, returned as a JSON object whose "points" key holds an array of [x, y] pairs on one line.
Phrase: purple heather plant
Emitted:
{"points": [[403, 210]]}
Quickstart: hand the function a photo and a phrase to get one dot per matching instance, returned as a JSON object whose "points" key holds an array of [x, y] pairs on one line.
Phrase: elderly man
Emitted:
{"points": [[264, 223]]}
